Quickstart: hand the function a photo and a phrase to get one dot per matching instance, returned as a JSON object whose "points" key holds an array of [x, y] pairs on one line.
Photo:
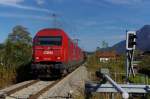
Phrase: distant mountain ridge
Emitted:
{"points": [[143, 41]]}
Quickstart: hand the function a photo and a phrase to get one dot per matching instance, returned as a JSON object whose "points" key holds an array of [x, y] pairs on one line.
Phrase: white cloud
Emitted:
{"points": [[124, 1], [15, 15], [17, 4], [12, 2], [58, 1], [30, 8], [40, 2]]}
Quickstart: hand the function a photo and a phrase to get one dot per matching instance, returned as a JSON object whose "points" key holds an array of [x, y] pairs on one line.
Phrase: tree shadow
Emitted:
{"points": [[24, 73]]}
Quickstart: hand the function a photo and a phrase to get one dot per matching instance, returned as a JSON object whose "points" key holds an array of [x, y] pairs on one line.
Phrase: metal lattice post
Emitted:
{"points": [[127, 66]]}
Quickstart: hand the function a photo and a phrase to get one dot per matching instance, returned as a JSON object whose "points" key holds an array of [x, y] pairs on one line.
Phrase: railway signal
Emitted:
{"points": [[130, 47], [131, 40]]}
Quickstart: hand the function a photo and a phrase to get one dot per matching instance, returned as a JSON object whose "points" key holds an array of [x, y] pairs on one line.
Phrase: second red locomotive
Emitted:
{"points": [[54, 52]]}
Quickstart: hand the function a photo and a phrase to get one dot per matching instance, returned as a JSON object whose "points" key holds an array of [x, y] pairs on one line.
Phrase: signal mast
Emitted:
{"points": [[130, 48]]}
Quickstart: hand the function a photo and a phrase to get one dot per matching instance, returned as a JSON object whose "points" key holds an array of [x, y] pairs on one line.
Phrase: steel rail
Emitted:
{"points": [[35, 96], [8, 93]]}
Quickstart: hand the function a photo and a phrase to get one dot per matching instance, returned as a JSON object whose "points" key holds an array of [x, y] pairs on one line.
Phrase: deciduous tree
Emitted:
{"points": [[18, 47]]}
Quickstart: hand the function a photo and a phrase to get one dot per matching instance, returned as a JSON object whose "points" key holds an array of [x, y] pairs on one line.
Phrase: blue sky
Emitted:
{"points": [[91, 21]]}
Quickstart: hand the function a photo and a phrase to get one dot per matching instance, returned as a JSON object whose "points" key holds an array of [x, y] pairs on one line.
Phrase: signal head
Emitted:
{"points": [[131, 40]]}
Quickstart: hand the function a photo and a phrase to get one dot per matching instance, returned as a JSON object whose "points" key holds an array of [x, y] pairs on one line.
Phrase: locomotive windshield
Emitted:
{"points": [[49, 40]]}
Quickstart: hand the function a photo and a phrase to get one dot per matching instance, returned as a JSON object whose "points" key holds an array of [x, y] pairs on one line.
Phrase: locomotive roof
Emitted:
{"points": [[54, 31], [51, 29]]}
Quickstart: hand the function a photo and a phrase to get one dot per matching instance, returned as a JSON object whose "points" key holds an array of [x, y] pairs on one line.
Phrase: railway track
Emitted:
{"points": [[12, 89], [36, 95], [29, 90], [21, 87], [34, 89]]}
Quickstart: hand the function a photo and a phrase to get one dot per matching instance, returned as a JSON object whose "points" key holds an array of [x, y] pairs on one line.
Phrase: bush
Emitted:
{"points": [[15, 56]]}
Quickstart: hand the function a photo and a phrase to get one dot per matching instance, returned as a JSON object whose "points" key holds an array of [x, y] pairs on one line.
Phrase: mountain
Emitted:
{"points": [[143, 38], [143, 41], [120, 47]]}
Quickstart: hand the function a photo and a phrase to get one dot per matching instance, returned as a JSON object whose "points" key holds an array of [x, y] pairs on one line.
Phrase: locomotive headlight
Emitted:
{"points": [[37, 58], [58, 57]]}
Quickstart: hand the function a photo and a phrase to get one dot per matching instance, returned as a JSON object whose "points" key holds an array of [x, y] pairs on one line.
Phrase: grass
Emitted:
{"points": [[7, 76], [140, 79], [11, 75], [114, 66]]}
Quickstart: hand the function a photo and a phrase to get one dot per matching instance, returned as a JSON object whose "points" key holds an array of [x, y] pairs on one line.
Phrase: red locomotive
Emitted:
{"points": [[55, 53]]}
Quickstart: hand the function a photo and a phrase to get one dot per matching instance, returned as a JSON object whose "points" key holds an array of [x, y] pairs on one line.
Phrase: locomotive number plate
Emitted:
{"points": [[48, 52]]}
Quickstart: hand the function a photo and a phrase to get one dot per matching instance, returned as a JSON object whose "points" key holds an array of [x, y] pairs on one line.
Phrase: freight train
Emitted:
{"points": [[54, 53]]}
